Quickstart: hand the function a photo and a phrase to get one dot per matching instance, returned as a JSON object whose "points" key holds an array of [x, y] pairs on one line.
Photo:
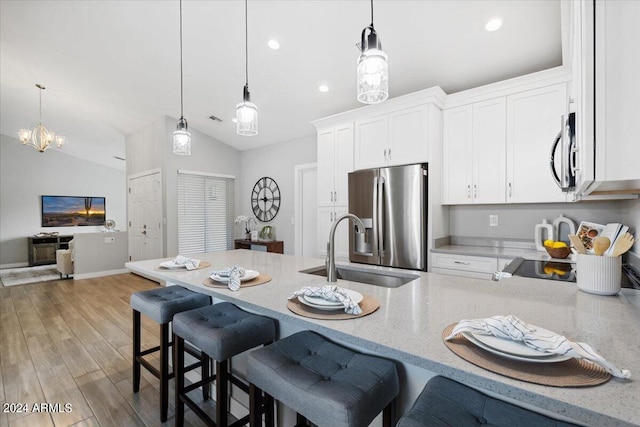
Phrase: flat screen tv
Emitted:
{"points": [[69, 211]]}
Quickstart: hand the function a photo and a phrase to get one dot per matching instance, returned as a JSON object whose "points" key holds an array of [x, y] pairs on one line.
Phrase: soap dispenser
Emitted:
{"points": [[543, 231], [562, 227]]}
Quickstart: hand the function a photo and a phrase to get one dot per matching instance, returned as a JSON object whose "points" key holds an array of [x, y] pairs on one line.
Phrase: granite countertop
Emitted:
{"points": [[411, 318]]}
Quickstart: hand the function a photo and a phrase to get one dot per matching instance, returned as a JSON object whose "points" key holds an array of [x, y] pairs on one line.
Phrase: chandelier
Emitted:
{"points": [[40, 138]]}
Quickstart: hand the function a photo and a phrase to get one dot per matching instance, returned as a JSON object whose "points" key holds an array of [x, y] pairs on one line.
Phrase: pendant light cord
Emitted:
{"points": [[371, 13], [40, 104], [181, 84], [246, 45]]}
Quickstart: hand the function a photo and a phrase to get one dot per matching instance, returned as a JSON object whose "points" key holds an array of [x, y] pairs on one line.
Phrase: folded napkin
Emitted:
{"points": [[234, 273], [510, 327], [330, 293], [190, 263]]}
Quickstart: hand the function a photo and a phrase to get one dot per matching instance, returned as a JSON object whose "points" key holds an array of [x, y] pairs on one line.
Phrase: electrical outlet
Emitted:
{"points": [[493, 220]]}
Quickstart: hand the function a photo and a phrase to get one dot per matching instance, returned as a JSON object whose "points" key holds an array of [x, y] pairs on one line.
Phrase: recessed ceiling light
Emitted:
{"points": [[273, 44], [323, 88], [493, 24]]}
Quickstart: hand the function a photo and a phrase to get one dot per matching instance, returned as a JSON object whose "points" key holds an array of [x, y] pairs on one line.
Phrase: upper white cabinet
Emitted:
{"points": [[335, 161], [606, 66], [497, 150], [474, 153], [396, 138], [533, 122]]}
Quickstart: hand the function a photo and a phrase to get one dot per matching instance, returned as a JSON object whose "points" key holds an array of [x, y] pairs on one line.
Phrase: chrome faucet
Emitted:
{"points": [[332, 273]]}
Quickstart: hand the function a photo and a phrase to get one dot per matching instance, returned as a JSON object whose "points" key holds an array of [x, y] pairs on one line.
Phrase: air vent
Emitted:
{"points": [[215, 119]]}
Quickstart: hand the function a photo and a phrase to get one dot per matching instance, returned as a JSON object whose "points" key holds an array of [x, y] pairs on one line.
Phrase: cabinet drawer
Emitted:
{"points": [[465, 263]]}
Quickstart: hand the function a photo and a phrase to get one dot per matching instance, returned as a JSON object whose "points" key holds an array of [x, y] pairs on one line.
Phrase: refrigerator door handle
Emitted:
{"points": [[380, 215], [375, 216]]}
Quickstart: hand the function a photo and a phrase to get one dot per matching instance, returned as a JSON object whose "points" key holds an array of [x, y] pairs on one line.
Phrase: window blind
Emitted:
{"points": [[205, 213]]}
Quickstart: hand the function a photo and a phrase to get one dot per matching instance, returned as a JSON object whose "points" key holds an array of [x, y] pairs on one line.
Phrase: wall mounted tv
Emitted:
{"points": [[69, 211]]}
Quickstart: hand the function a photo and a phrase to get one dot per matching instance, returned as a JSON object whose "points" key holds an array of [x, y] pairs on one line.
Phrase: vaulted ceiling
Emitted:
{"points": [[112, 67]]}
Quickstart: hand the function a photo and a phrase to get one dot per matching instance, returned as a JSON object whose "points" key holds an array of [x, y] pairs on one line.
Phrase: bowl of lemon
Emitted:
{"points": [[557, 249]]}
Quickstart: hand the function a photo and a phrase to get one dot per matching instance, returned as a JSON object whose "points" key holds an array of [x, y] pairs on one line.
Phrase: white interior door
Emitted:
{"points": [[145, 216], [306, 210]]}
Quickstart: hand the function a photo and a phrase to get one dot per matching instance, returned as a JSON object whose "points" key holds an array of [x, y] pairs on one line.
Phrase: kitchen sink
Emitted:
{"points": [[378, 278]]}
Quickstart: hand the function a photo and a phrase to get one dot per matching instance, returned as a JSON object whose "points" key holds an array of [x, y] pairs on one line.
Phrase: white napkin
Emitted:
{"points": [[234, 273], [190, 263], [510, 327], [330, 293]]}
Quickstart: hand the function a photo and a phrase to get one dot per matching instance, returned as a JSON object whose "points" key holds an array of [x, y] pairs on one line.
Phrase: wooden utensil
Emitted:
{"points": [[600, 245], [623, 244], [577, 244]]}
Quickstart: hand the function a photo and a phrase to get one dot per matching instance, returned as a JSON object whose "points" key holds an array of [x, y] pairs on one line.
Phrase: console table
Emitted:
{"points": [[42, 250], [276, 246]]}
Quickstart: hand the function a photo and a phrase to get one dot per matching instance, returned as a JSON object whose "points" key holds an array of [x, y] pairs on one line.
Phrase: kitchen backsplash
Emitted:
{"points": [[518, 221]]}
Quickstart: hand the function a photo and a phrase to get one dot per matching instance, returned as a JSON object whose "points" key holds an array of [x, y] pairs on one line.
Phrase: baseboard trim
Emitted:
{"points": [[15, 265], [92, 275]]}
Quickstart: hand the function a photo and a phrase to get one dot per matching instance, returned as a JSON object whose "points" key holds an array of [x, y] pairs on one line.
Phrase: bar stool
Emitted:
{"points": [[220, 331], [444, 402], [160, 305], [324, 383]]}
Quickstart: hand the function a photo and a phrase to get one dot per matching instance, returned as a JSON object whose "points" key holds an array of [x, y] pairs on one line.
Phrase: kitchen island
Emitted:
{"points": [[409, 323]]}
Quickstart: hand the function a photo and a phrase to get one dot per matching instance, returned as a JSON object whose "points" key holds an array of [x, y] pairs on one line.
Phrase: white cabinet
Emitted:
{"points": [[397, 138], [464, 265], [335, 161], [533, 122], [326, 216], [474, 153]]}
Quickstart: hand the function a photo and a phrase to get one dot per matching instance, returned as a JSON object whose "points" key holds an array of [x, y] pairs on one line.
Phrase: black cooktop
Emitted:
{"points": [[550, 270]]}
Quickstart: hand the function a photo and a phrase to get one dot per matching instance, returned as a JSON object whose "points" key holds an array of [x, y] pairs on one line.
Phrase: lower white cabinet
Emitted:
{"points": [[326, 216], [464, 265]]}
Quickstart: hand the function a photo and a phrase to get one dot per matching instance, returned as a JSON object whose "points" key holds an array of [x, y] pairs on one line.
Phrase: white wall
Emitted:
{"points": [[278, 162], [99, 254], [26, 174], [631, 217], [518, 221]]}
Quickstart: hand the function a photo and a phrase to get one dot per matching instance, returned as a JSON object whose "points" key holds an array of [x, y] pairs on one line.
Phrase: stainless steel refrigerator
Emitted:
{"points": [[392, 204]]}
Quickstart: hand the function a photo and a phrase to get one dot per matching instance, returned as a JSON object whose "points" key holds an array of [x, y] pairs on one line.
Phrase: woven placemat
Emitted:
{"points": [[260, 280], [368, 305], [203, 264], [570, 373]]}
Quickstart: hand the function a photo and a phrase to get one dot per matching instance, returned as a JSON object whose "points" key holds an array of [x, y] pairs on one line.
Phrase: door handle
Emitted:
{"points": [[144, 232], [510, 192], [475, 191], [469, 191], [380, 190]]}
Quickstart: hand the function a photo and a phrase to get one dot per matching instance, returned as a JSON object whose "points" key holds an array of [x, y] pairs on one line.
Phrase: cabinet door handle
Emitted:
{"points": [[385, 154], [475, 191], [510, 190], [389, 152], [335, 196], [462, 262], [469, 191], [331, 196]]}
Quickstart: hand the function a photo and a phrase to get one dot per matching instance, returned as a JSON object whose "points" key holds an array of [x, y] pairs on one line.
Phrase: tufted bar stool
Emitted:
{"points": [[444, 402], [323, 382], [160, 305], [220, 331]]}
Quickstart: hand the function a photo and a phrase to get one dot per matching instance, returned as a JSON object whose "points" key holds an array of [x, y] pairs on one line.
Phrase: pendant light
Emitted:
{"points": [[246, 111], [181, 136], [373, 69]]}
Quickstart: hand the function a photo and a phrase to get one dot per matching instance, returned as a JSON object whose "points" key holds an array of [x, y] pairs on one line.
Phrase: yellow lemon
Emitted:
{"points": [[548, 243], [559, 245]]}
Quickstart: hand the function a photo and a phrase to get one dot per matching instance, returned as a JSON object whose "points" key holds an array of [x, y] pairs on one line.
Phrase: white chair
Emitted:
{"points": [[64, 260]]}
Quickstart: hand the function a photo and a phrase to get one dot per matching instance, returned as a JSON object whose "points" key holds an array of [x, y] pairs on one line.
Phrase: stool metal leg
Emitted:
{"points": [[269, 413], [222, 388], [255, 413], [178, 369], [206, 371], [389, 414], [301, 421], [136, 351], [164, 371]]}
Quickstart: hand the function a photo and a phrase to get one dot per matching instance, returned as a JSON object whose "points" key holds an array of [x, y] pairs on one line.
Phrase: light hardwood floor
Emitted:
{"points": [[70, 342]]}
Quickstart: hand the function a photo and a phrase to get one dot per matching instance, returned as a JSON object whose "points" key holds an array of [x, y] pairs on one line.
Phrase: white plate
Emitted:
{"points": [[248, 275], [355, 297], [551, 358], [517, 348], [171, 265], [320, 307]]}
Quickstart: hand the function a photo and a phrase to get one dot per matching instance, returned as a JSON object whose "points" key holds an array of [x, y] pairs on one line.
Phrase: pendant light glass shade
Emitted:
{"points": [[181, 136], [246, 116], [246, 111], [182, 139], [40, 138], [373, 68]]}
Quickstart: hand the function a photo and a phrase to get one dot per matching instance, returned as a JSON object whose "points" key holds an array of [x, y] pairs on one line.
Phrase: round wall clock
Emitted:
{"points": [[265, 199]]}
